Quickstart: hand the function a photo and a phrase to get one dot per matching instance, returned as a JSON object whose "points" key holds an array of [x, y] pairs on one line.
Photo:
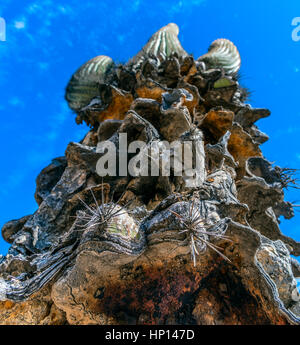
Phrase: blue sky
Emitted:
{"points": [[46, 41]]}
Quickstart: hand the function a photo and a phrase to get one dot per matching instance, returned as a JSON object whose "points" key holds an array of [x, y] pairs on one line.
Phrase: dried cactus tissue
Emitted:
{"points": [[198, 247]]}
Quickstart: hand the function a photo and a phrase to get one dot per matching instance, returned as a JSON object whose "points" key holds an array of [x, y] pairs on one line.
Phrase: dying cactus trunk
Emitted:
{"points": [[184, 230]]}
